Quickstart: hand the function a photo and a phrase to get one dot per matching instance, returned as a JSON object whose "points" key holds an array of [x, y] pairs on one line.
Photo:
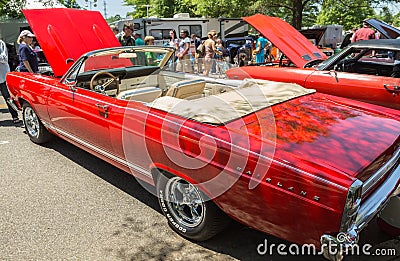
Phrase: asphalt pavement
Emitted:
{"points": [[58, 202]]}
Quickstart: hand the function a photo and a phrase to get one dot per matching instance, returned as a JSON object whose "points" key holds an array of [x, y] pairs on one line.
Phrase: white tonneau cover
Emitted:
{"points": [[251, 96]]}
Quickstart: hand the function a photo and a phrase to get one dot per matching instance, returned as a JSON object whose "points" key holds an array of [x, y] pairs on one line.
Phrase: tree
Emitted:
{"points": [[348, 13], [70, 4], [139, 7], [396, 20], [115, 18], [385, 15], [298, 13], [12, 8], [294, 11]]}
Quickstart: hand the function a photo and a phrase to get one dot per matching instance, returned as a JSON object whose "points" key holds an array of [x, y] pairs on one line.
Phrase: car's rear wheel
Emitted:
{"points": [[33, 126], [187, 209]]}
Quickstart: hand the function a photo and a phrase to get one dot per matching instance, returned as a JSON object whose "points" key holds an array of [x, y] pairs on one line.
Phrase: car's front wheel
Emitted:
{"points": [[33, 126], [187, 209]]}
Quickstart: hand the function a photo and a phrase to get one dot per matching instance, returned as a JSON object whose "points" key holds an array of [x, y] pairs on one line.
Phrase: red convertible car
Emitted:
{"points": [[280, 158], [365, 70]]}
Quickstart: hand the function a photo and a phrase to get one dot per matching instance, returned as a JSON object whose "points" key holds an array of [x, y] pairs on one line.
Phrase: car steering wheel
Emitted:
{"points": [[339, 67], [103, 86]]}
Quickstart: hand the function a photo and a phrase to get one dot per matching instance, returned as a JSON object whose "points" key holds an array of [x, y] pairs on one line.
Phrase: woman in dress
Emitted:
{"points": [[210, 51]]}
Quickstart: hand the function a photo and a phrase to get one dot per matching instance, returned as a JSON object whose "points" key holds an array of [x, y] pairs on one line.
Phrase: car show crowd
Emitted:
{"points": [[193, 54]]}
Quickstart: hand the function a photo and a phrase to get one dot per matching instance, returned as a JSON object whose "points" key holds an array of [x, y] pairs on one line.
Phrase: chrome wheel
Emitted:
{"points": [[184, 202], [33, 126], [31, 122]]}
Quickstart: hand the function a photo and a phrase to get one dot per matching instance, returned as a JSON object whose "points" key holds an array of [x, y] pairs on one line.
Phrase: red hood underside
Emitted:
{"points": [[68, 33], [286, 38]]}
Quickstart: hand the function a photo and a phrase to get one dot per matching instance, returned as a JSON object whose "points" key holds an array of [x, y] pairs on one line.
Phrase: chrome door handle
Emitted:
{"points": [[330, 72], [103, 109], [393, 89]]}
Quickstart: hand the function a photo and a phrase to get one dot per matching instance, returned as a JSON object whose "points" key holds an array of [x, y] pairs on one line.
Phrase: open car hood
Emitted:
{"points": [[286, 38], [385, 29], [65, 34]]}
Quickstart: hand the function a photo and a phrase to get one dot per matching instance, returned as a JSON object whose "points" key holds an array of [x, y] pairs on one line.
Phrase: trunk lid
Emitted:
{"points": [[331, 134]]}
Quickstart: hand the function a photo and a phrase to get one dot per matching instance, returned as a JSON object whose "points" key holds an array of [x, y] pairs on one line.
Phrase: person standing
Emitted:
{"points": [[199, 54], [151, 56], [219, 55], [115, 30], [4, 69], [126, 39], [210, 51], [173, 42], [260, 48], [28, 60], [183, 55], [364, 33], [138, 39]]}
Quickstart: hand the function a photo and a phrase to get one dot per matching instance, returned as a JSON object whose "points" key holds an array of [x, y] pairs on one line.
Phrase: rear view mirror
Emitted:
{"points": [[127, 55]]}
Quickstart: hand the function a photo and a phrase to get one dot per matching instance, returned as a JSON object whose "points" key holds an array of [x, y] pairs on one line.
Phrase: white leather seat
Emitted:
{"points": [[145, 94], [186, 88]]}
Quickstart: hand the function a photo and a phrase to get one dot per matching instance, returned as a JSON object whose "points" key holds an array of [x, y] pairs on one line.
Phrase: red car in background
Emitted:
{"points": [[306, 167], [362, 71]]}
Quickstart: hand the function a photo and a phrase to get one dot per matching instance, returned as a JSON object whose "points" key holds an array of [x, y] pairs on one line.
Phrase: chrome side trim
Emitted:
{"points": [[101, 151], [368, 184]]}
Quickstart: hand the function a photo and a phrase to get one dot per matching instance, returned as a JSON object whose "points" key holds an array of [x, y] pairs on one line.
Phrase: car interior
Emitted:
{"points": [[368, 61], [145, 84]]}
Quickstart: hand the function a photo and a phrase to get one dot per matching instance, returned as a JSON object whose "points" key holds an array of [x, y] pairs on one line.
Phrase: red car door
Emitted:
{"points": [[369, 88], [81, 115]]}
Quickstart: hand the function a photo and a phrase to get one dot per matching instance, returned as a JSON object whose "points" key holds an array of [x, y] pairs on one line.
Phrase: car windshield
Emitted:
{"points": [[328, 61], [126, 57]]}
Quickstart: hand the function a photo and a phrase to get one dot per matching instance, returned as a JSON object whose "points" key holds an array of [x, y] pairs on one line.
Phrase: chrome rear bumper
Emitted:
{"points": [[334, 247]]}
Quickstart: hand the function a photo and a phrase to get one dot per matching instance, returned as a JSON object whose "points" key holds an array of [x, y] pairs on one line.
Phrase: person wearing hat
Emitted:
{"points": [[364, 33], [28, 61]]}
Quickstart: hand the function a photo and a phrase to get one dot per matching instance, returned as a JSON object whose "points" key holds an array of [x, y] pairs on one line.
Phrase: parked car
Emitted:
{"points": [[237, 45], [362, 71], [277, 157], [386, 31]]}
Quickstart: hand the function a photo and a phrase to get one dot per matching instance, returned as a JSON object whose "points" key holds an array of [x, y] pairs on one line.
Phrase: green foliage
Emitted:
{"points": [[114, 18], [385, 15], [139, 7], [12, 8], [396, 20], [293, 11], [347, 13], [70, 3]]}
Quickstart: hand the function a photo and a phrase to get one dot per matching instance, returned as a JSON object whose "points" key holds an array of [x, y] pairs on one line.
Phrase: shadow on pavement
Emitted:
{"points": [[237, 241]]}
